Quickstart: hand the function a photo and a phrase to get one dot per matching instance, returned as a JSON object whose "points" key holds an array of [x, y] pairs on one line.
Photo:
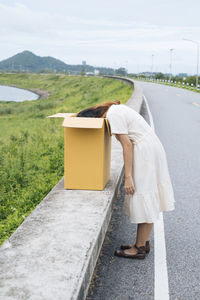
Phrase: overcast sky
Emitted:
{"points": [[109, 33]]}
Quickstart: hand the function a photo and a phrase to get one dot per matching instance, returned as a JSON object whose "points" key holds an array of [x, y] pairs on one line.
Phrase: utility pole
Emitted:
{"points": [[197, 75], [170, 65], [152, 66]]}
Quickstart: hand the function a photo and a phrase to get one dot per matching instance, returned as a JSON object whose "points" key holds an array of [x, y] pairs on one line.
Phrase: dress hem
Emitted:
{"points": [[145, 207], [153, 220]]}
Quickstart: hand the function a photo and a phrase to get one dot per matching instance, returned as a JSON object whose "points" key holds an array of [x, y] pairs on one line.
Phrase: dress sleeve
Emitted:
{"points": [[118, 123]]}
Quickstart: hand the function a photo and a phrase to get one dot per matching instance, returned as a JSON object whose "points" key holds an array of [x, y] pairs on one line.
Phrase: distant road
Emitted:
{"points": [[176, 116]]}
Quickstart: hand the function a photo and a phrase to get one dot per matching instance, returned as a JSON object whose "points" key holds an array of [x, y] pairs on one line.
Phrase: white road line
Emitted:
{"points": [[196, 104], [161, 288]]}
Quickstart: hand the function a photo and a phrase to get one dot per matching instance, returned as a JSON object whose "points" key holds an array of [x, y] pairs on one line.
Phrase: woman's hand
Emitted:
{"points": [[129, 185]]}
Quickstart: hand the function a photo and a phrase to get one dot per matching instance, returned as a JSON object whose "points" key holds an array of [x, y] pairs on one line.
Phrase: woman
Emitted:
{"points": [[148, 188]]}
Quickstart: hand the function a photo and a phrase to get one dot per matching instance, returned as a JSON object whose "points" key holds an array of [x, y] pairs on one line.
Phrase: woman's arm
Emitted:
{"points": [[127, 146]]}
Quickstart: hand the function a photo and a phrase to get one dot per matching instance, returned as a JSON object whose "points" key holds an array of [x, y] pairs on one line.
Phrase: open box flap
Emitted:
{"points": [[62, 115], [108, 126], [81, 122]]}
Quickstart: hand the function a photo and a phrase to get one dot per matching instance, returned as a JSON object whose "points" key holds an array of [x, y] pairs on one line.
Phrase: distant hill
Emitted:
{"points": [[27, 61]]}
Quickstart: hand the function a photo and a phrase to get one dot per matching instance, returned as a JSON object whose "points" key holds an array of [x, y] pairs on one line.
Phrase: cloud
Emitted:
{"points": [[70, 37], [21, 20]]}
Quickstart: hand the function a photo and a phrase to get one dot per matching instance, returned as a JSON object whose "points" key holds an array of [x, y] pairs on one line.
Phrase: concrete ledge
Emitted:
{"points": [[136, 99], [53, 253]]}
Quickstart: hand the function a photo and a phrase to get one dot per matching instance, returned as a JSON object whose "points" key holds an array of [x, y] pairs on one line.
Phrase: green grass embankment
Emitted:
{"points": [[31, 146]]}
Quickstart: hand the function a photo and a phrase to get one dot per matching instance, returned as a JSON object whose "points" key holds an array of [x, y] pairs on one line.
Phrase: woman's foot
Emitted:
{"points": [[133, 252], [147, 246]]}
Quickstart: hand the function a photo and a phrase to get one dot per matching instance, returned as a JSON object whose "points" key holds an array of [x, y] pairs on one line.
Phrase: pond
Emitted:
{"points": [[8, 93]]}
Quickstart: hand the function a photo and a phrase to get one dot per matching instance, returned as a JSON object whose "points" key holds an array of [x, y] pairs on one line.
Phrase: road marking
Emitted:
{"points": [[178, 95], [196, 104], [161, 287]]}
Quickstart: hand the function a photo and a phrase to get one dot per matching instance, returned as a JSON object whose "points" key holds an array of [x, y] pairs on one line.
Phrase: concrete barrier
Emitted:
{"points": [[53, 253]]}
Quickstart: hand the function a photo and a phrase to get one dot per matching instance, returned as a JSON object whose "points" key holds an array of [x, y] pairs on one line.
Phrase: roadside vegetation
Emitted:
{"points": [[177, 81], [31, 146]]}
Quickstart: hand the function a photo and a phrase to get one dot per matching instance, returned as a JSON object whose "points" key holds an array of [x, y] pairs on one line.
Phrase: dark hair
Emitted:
{"points": [[98, 110]]}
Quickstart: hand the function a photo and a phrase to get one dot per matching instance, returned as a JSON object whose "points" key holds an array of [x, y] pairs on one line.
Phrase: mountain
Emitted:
{"points": [[27, 61]]}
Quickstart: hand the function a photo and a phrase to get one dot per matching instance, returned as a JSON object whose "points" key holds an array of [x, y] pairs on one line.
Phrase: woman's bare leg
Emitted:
{"points": [[143, 235]]}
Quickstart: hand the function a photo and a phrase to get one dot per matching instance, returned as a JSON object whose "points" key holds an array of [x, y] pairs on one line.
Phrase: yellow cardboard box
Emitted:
{"points": [[87, 152]]}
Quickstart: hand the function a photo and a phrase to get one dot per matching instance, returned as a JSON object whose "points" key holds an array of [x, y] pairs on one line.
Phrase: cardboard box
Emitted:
{"points": [[87, 152]]}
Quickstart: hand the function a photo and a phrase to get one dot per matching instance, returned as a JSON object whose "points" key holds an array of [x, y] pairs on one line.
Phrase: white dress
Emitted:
{"points": [[154, 190]]}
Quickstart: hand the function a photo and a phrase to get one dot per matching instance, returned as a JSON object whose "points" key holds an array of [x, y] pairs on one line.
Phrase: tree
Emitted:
{"points": [[159, 76], [121, 71]]}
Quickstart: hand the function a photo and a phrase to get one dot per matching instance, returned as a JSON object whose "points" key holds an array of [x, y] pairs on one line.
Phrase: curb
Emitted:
{"points": [[135, 102]]}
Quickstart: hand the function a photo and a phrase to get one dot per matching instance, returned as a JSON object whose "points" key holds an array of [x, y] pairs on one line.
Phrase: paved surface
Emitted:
{"points": [[176, 115]]}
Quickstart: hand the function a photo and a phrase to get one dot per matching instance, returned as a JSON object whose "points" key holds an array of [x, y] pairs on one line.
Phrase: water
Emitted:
{"points": [[8, 93]]}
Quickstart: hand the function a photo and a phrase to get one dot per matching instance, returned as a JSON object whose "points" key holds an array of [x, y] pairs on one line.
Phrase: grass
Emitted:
{"points": [[31, 146]]}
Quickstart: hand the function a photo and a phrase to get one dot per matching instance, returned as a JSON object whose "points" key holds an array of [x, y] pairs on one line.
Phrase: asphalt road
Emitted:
{"points": [[176, 116]]}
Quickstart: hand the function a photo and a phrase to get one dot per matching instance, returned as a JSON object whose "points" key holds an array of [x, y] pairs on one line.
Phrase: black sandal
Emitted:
{"points": [[140, 254], [124, 247]]}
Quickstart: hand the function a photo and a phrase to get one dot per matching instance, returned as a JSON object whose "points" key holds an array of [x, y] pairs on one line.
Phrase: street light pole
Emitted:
{"points": [[170, 64], [197, 43], [152, 67]]}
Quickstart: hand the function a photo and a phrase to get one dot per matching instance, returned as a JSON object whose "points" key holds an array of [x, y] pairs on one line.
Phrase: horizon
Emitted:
{"points": [[146, 71]]}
